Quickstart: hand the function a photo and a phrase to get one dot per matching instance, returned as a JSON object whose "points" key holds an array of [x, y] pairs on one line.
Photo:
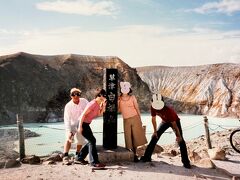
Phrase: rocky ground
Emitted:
{"points": [[166, 163], [219, 139]]}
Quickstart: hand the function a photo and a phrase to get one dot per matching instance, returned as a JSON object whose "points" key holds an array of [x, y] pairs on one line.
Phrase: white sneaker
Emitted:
{"points": [[66, 160]]}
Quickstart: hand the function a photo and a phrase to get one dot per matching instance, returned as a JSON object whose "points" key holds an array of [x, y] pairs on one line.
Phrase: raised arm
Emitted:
{"points": [[102, 108]]}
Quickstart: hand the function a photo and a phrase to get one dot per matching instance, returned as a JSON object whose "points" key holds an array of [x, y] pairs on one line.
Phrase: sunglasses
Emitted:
{"points": [[76, 94]]}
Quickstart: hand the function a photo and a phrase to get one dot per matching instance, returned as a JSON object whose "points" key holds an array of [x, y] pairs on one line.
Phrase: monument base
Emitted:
{"points": [[115, 155]]}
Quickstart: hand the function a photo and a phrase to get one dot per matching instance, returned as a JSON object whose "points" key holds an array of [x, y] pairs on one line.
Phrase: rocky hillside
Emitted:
{"points": [[38, 86], [209, 89]]}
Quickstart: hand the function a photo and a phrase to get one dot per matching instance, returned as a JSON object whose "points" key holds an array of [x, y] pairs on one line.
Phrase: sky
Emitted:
{"points": [[140, 32]]}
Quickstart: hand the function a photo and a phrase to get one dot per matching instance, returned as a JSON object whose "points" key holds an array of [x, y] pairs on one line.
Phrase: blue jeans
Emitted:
{"points": [[90, 147], [162, 128]]}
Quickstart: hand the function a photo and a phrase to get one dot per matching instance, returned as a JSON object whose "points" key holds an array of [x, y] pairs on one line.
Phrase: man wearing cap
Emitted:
{"points": [[169, 119], [72, 112]]}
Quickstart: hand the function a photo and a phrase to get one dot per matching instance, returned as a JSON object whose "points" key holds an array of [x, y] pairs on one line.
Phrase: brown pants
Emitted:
{"points": [[133, 132]]}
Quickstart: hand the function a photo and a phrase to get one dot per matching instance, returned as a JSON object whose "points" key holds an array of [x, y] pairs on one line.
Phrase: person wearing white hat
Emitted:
{"points": [[72, 111], [133, 130], [169, 119]]}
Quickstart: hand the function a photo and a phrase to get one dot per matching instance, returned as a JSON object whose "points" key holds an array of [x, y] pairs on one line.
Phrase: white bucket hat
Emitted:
{"points": [[125, 87], [157, 103]]}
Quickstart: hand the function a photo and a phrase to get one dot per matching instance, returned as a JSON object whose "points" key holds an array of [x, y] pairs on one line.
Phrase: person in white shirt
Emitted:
{"points": [[72, 111]]}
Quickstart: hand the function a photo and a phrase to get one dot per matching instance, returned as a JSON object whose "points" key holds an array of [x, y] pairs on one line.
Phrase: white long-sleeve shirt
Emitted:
{"points": [[72, 112]]}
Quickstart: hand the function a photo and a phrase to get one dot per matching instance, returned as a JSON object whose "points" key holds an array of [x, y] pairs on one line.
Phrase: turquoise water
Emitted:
{"points": [[53, 134]]}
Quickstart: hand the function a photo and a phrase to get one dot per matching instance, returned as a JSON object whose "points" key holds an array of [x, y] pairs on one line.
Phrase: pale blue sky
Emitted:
{"points": [[140, 32]]}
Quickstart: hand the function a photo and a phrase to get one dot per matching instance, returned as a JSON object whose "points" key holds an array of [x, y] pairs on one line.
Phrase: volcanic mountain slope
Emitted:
{"points": [[208, 89], [37, 87]]}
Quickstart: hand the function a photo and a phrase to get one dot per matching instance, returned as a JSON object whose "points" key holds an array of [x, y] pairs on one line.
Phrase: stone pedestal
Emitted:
{"points": [[117, 155]]}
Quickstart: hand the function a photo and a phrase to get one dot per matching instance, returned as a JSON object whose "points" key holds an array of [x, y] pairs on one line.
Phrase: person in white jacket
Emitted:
{"points": [[72, 111]]}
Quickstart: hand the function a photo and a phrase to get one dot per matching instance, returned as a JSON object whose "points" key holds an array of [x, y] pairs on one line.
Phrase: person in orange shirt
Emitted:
{"points": [[133, 130]]}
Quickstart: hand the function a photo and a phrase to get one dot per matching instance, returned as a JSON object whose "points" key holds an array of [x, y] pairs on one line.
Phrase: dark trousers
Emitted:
{"points": [[90, 147], [162, 128]]}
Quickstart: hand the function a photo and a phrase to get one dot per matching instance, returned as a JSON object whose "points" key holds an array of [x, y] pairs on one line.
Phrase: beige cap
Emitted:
{"points": [[75, 90]]}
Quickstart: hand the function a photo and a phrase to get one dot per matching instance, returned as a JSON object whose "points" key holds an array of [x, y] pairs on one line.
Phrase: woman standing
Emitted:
{"points": [[94, 109], [133, 130]]}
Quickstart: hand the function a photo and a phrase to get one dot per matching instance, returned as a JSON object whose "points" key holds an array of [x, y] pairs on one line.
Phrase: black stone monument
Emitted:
{"points": [[110, 115]]}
